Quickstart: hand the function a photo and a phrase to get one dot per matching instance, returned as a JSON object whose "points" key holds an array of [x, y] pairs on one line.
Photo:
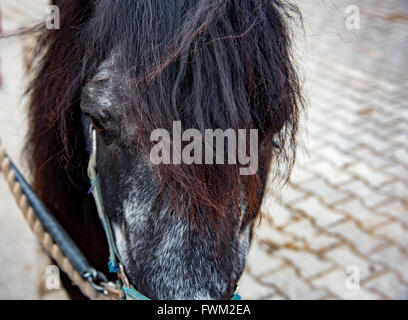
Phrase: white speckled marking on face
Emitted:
{"points": [[120, 243]]}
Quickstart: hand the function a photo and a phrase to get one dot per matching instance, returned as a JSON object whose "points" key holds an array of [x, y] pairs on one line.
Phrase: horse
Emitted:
{"points": [[127, 68]]}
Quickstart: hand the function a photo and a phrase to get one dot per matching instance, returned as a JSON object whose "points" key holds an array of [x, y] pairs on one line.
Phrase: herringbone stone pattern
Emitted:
{"points": [[343, 217]]}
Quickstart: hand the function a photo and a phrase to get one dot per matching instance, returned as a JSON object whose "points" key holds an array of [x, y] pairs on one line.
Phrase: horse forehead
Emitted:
{"points": [[105, 69], [102, 79], [100, 94]]}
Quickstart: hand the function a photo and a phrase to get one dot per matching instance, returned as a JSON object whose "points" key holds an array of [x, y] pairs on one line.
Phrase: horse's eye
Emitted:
{"points": [[97, 124]]}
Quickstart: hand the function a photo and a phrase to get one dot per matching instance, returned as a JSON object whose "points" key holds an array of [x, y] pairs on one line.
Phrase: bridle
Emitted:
{"points": [[114, 263], [59, 245]]}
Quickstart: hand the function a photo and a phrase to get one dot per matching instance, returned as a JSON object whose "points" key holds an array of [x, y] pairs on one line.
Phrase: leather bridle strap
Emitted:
{"points": [[96, 192], [59, 235], [114, 264], [59, 244], [54, 239]]}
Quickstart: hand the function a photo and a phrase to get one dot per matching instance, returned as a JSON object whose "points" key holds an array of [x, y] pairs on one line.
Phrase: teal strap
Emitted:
{"points": [[236, 296], [130, 293], [96, 192]]}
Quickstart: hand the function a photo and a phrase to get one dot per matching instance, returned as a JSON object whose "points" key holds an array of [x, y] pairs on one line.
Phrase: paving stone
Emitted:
{"points": [[321, 214], [336, 281], [369, 196], [299, 175], [336, 157], [288, 282], [281, 216], [321, 242], [344, 257], [374, 142], [303, 159], [341, 142], [259, 261], [371, 158], [326, 193], [398, 171], [292, 195], [303, 228], [395, 259], [365, 216], [250, 289], [371, 176], [394, 232], [400, 155], [400, 139], [273, 237], [396, 189], [390, 285], [332, 174], [307, 263], [396, 209], [362, 241]]}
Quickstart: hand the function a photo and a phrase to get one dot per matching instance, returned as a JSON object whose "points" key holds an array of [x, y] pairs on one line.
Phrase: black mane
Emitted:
{"points": [[206, 63]]}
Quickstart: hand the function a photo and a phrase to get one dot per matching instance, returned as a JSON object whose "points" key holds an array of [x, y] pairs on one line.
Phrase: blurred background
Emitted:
{"points": [[339, 229]]}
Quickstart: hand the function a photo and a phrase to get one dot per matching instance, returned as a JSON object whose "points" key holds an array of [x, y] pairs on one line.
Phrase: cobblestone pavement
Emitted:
{"points": [[339, 229], [345, 210]]}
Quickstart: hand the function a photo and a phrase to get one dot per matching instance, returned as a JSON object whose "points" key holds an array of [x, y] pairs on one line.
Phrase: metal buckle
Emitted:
{"points": [[93, 277], [122, 276]]}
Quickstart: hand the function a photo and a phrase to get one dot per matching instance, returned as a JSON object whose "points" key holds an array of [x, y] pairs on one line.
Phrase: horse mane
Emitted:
{"points": [[207, 63]]}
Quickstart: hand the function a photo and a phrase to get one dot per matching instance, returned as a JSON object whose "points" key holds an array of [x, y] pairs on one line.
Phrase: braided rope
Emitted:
{"points": [[52, 249]]}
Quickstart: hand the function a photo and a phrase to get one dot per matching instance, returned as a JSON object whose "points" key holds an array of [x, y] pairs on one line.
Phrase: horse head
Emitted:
{"points": [[128, 68]]}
